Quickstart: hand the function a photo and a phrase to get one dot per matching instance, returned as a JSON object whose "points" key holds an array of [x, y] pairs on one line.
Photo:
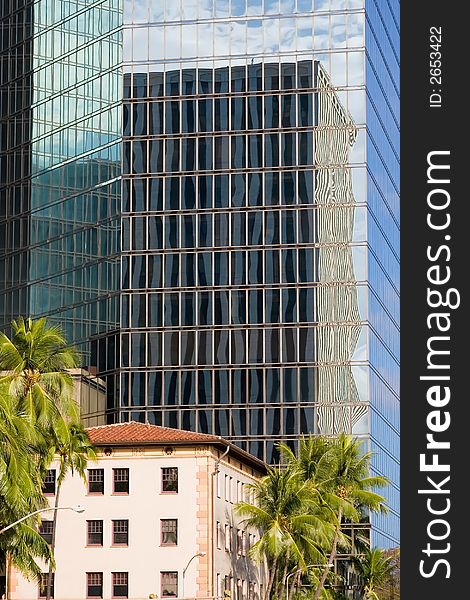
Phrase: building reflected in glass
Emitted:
{"points": [[260, 226], [205, 193]]}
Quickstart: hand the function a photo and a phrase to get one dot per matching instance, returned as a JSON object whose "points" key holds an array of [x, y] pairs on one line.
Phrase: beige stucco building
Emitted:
{"points": [[158, 520]]}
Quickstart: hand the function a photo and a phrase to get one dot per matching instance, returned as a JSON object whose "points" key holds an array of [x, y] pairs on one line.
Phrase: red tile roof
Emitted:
{"points": [[133, 432]]}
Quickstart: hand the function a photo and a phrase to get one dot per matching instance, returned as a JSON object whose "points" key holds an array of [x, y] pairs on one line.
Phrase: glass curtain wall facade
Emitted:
{"points": [[256, 225], [238, 240], [256, 287], [383, 251], [60, 92], [15, 155]]}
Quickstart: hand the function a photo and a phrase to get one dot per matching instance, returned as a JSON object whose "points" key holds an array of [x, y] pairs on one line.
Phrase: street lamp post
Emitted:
{"points": [[299, 571], [78, 509], [186, 568]]}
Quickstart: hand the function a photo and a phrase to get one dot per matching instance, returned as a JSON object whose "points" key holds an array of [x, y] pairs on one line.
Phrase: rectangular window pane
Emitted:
{"points": [[221, 114], [271, 112], [205, 153], [205, 230], [288, 110], [43, 585], [271, 153], [170, 479], [255, 112], [95, 481], [121, 532], [46, 529], [49, 482], [121, 481], [94, 585], [120, 585], [188, 116], [95, 533], [169, 587], [169, 532], [238, 114], [205, 115], [222, 152]]}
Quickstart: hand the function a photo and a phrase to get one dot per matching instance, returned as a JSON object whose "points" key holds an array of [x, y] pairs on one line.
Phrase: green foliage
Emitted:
{"points": [[375, 568], [73, 449], [287, 511], [38, 419], [300, 508], [35, 363]]}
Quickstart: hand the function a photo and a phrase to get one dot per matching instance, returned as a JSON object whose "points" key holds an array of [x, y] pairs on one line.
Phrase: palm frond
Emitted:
{"points": [[36, 410]]}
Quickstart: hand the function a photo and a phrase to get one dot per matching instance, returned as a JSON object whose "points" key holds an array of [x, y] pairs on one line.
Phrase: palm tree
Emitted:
{"points": [[375, 568], [35, 399], [72, 448], [316, 461], [22, 545], [20, 492], [34, 363], [313, 459], [18, 481], [348, 493], [289, 519]]}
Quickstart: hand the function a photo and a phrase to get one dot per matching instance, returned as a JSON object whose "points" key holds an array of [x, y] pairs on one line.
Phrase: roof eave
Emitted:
{"points": [[241, 455]]}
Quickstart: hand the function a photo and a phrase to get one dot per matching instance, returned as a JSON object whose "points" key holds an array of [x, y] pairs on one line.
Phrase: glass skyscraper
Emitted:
{"points": [[60, 166], [260, 224], [258, 220]]}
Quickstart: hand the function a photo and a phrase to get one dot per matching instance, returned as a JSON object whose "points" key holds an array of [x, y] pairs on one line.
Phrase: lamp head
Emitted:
{"points": [[78, 508]]}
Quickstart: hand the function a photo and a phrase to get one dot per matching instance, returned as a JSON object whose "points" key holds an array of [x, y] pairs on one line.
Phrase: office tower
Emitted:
{"points": [[250, 235], [259, 222], [260, 272], [60, 103]]}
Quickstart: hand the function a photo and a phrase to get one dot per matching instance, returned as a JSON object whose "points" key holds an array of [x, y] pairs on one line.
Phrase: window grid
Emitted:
{"points": [[169, 584], [43, 585], [169, 532], [95, 481], [94, 585], [120, 582], [121, 532], [228, 212], [46, 529], [170, 479], [59, 169], [120, 481], [49, 484], [95, 532]]}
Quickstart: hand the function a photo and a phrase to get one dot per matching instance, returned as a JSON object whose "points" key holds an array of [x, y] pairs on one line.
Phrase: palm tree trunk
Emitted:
{"points": [[284, 575], [272, 574], [264, 578], [331, 557], [54, 526], [7, 574]]}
